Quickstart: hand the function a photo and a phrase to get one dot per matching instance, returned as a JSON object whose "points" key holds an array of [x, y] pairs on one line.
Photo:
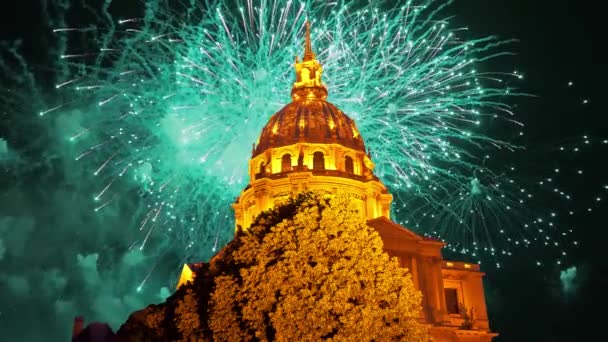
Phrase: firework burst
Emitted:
{"points": [[175, 98]]}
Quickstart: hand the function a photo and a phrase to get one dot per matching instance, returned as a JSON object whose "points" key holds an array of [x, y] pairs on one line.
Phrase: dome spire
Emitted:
{"points": [[308, 84], [308, 54]]}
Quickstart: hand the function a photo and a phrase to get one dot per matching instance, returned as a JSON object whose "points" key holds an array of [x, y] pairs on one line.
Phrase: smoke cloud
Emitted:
{"points": [[59, 258]]}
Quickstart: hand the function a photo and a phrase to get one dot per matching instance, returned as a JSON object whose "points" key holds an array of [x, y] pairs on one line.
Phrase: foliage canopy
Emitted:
{"points": [[309, 269]]}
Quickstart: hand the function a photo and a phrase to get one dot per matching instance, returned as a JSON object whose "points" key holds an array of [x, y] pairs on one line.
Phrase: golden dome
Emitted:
{"points": [[311, 121], [310, 145], [309, 118]]}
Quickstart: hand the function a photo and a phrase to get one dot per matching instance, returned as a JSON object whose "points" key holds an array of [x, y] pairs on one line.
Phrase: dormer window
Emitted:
{"points": [[318, 161], [348, 165], [286, 163]]}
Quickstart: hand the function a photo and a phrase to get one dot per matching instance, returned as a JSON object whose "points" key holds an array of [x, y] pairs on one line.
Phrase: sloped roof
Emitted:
{"points": [[388, 228], [398, 238]]}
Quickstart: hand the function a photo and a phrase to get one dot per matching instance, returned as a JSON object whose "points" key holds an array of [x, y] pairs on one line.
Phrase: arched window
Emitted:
{"points": [[262, 168], [286, 163], [348, 164], [318, 161]]}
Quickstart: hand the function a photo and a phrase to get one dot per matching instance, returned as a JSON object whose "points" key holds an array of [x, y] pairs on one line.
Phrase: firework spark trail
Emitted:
{"points": [[189, 96]]}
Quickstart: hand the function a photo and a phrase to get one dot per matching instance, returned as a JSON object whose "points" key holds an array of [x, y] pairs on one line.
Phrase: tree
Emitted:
{"points": [[311, 269]]}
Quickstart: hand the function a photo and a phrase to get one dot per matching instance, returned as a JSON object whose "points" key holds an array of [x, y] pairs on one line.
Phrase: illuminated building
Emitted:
{"points": [[310, 144]]}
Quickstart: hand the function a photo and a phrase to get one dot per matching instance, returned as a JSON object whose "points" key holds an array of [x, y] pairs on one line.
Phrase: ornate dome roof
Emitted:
{"points": [[312, 121], [309, 118]]}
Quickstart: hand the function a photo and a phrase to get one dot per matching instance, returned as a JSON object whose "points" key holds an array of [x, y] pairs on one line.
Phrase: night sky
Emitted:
{"points": [[559, 42], [44, 213]]}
